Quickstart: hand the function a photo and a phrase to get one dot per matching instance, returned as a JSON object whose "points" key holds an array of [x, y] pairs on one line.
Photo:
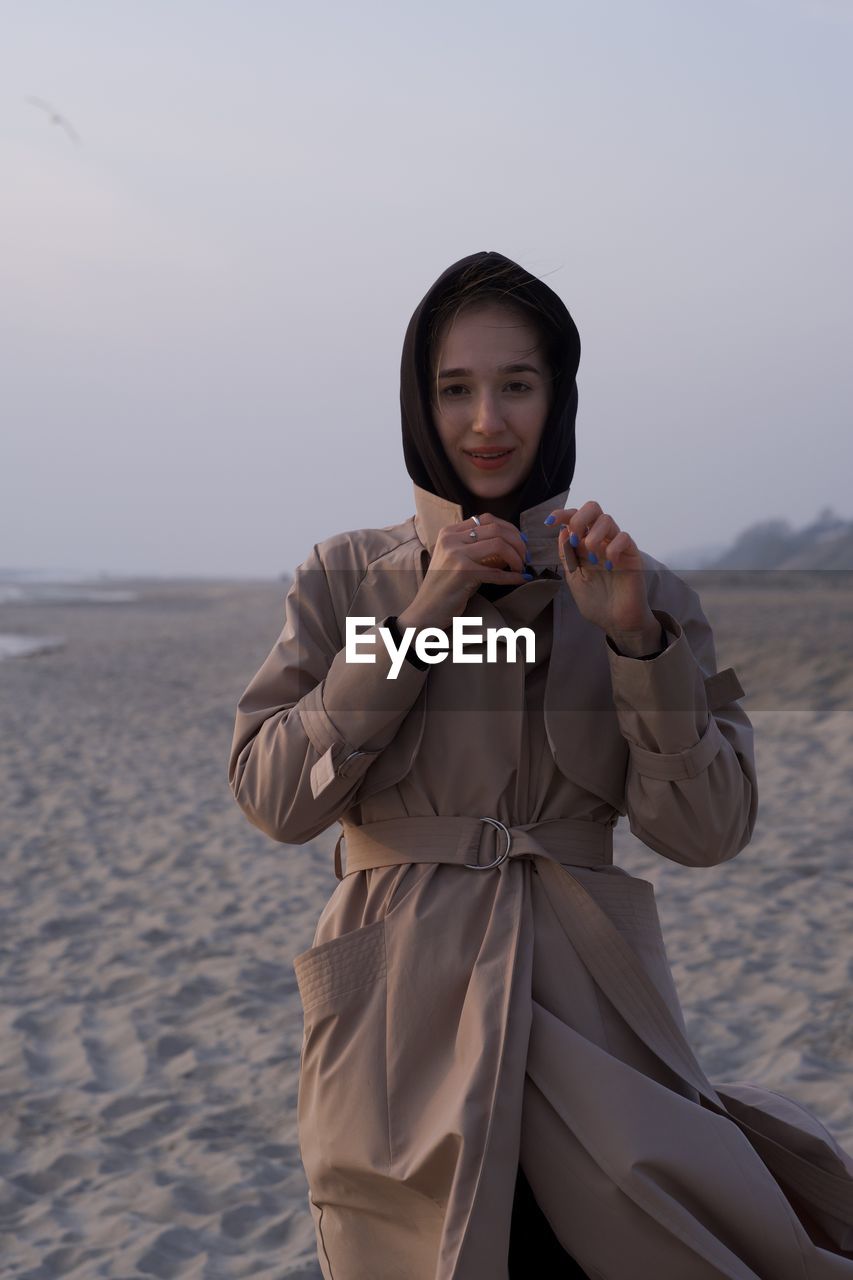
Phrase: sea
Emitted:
{"points": [[50, 586]]}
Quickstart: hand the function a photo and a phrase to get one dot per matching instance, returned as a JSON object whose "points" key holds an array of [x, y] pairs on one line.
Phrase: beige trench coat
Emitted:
{"points": [[484, 993]]}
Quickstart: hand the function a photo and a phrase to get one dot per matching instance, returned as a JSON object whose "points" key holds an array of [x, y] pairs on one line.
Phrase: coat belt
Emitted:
{"points": [[556, 845], [479, 843]]}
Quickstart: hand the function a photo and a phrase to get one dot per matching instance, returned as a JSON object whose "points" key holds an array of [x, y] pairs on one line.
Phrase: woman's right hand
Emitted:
{"points": [[459, 564]]}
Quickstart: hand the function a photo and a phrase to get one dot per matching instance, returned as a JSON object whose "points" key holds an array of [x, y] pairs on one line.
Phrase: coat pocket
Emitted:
{"points": [[629, 903], [342, 1101], [332, 969], [632, 907]]}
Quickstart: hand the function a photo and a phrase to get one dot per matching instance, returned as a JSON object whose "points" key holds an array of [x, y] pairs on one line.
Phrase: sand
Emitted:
{"points": [[150, 1024]]}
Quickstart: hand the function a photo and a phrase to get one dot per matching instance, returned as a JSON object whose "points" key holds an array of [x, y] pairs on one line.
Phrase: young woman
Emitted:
{"points": [[495, 1073]]}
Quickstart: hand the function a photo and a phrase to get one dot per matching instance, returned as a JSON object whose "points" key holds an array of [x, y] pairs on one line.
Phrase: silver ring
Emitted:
{"points": [[476, 519], [473, 534], [486, 866]]}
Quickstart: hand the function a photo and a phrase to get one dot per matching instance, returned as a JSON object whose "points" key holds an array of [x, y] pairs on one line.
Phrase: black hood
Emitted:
{"points": [[426, 461]]}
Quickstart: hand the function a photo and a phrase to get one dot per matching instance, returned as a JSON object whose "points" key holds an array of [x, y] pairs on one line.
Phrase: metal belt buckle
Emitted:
{"points": [[486, 866]]}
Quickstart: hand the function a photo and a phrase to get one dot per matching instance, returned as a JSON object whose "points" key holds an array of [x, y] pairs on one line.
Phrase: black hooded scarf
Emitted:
{"points": [[426, 460]]}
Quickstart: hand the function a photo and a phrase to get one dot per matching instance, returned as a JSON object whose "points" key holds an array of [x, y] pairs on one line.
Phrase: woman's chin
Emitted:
{"points": [[493, 486], [500, 480]]}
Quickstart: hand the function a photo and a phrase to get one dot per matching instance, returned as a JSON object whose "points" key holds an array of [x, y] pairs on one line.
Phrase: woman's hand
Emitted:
{"points": [[604, 572], [459, 563]]}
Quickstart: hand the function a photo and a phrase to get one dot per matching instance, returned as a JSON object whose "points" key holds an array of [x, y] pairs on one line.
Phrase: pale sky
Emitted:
{"points": [[204, 301]]}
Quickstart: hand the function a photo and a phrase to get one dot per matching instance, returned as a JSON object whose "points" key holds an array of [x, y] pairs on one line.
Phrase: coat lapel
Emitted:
{"points": [[580, 717]]}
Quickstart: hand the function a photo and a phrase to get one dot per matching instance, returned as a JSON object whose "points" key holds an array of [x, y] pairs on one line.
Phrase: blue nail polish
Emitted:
{"points": [[550, 519], [593, 558], [574, 539], [525, 537], [608, 564], [528, 577]]}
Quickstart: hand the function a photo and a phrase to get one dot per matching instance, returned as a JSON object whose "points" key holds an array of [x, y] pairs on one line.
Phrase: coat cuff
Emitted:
{"points": [[677, 765], [662, 707], [355, 711]]}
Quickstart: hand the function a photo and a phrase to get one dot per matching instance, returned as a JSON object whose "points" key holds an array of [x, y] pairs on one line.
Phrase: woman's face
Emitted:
{"points": [[494, 393]]}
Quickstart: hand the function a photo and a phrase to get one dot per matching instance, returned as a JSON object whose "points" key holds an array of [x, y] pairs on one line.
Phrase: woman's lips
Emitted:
{"points": [[490, 464]]}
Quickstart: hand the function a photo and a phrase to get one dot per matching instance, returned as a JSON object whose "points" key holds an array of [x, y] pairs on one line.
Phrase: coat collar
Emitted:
{"points": [[433, 513]]}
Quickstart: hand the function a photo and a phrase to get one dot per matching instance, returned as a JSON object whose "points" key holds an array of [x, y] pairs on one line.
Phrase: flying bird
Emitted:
{"points": [[55, 117]]}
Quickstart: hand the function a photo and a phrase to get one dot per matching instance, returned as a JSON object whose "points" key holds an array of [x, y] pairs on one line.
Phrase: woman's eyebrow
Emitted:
{"points": [[502, 368]]}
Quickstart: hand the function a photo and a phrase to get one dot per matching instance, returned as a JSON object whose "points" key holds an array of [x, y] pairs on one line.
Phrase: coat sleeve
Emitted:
{"points": [[310, 724], [691, 785]]}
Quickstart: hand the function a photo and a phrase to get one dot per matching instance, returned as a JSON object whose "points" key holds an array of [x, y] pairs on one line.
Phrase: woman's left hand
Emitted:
{"points": [[605, 573]]}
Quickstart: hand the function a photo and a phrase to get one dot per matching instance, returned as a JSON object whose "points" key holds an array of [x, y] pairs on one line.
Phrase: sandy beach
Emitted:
{"points": [[150, 1025]]}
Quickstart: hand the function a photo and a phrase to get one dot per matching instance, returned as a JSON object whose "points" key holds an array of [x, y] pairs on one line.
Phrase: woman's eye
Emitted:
{"points": [[448, 391]]}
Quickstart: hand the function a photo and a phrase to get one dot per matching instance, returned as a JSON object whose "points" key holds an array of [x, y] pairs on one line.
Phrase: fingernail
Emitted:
{"points": [[593, 558], [574, 539], [550, 519], [608, 564], [525, 537], [528, 577]]}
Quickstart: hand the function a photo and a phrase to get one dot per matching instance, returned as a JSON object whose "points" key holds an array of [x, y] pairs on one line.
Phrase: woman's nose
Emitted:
{"points": [[487, 416]]}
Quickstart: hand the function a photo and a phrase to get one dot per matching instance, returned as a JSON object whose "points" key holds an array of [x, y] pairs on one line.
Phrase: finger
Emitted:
{"points": [[560, 518], [494, 526], [623, 544], [560, 515], [566, 551], [490, 573], [600, 533], [505, 529], [583, 519], [495, 551], [575, 558], [493, 569], [475, 572], [577, 519]]}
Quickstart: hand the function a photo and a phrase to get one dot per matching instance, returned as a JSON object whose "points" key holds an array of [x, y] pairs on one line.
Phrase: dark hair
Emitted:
{"points": [[484, 284]]}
